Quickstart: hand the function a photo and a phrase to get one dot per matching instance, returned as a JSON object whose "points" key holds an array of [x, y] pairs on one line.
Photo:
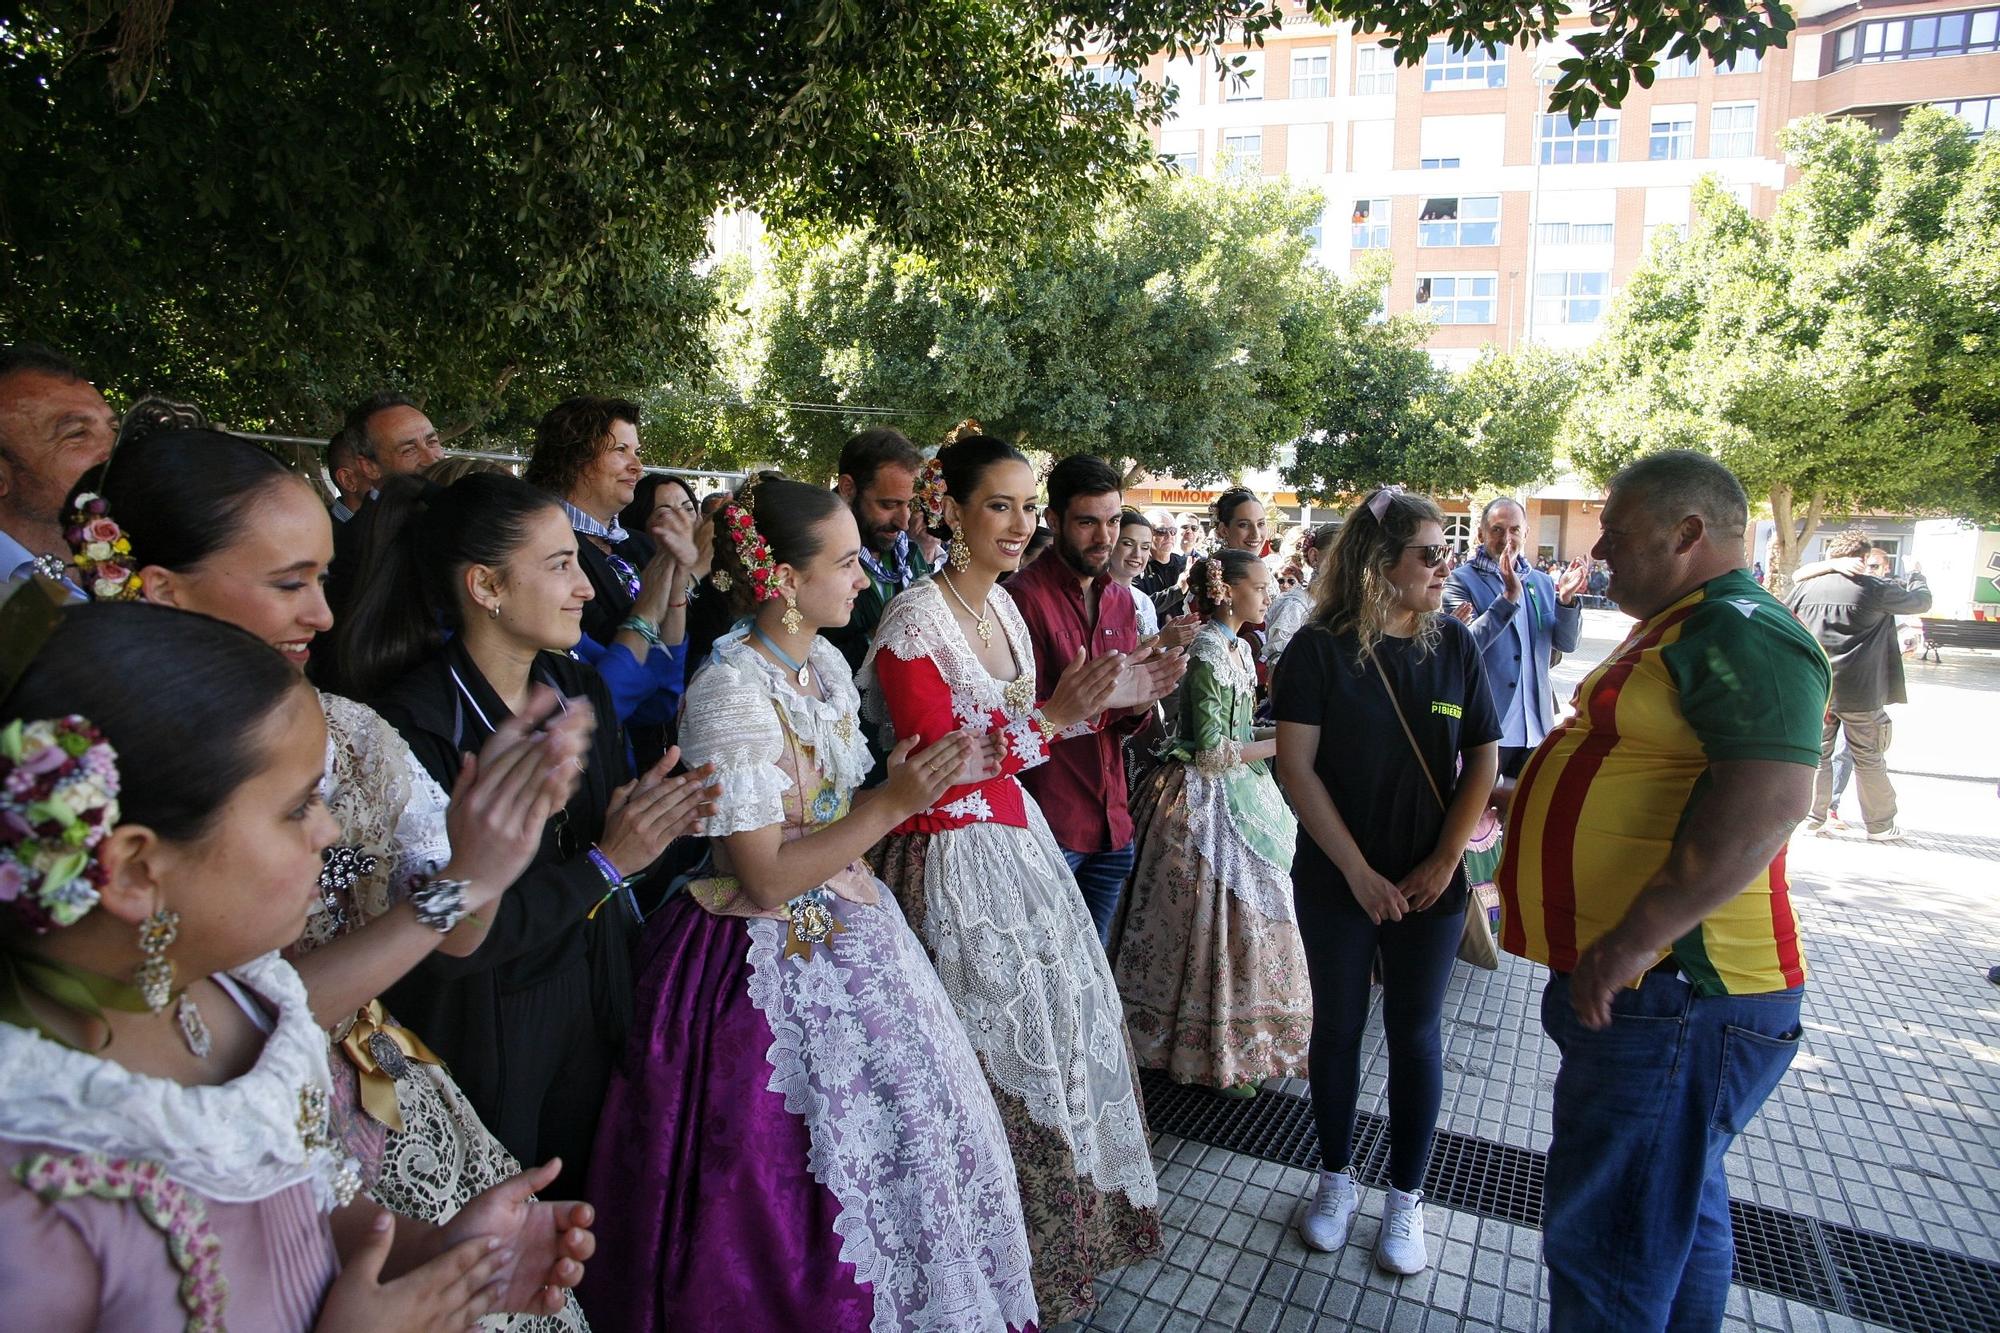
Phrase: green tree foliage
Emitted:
{"points": [[1177, 335], [270, 208], [1837, 356]]}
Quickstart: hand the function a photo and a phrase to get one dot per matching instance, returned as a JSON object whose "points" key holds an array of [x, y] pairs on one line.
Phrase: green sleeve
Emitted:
{"points": [[1208, 701], [1752, 686]]}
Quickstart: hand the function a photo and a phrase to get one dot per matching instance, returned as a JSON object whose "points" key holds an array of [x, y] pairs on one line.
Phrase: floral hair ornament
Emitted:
{"points": [[930, 491], [58, 800], [752, 551], [1216, 586], [1378, 503], [103, 551]]}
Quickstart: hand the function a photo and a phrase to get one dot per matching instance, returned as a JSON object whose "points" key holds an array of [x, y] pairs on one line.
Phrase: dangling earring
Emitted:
{"points": [[155, 974], [493, 611], [959, 552], [792, 620]]}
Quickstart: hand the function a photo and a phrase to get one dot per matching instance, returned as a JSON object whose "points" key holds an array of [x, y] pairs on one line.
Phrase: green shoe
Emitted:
{"points": [[1240, 1090]]}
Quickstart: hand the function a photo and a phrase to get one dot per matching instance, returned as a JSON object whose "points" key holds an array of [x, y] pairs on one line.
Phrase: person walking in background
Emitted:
{"points": [[1377, 873], [1519, 614], [1645, 866], [1852, 613], [1210, 964]]}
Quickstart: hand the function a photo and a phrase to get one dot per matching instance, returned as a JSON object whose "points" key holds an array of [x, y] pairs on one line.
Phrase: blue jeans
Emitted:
{"points": [[1101, 876], [1635, 1204], [1416, 953]]}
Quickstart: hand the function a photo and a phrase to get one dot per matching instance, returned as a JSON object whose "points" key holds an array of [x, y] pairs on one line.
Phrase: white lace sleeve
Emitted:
{"points": [[421, 842], [730, 720], [1286, 618]]}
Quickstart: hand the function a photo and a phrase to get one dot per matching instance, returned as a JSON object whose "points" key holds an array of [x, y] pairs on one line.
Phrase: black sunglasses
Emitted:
{"points": [[1432, 556]]}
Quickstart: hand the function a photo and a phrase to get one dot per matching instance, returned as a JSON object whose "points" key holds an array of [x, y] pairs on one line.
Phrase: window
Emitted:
{"points": [[1110, 76], [1672, 135], [1446, 70], [1456, 298], [1451, 221], [1371, 225], [1182, 150], [1570, 298], [1676, 67], [1576, 233], [1732, 130], [1244, 82], [1439, 163], [1595, 140], [1311, 74], [1374, 72], [1458, 532], [1743, 62], [1316, 235], [1242, 154], [1980, 114], [1967, 33]]}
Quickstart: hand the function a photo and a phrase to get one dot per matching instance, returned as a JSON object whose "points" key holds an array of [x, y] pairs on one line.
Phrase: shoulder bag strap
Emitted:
{"points": [[1408, 735]]}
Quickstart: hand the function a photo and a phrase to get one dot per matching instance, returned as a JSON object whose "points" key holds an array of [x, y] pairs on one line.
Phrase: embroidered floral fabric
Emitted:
{"points": [[919, 625], [1286, 617]]}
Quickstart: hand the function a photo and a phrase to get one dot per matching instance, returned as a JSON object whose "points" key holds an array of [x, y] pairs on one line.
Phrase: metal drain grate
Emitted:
{"points": [[1857, 1273]]}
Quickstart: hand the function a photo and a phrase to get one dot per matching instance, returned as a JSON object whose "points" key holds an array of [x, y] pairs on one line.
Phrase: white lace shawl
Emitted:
{"points": [[1286, 617], [388, 806], [731, 718], [904, 1133], [238, 1142], [917, 624]]}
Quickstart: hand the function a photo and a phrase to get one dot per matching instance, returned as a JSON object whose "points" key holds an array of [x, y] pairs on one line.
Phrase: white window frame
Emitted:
{"points": [[1185, 160], [1560, 296], [1554, 133], [1374, 71], [1368, 225], [1434, 297], [1432, 234], [1678, 134], [1745, 61], [1448, 71], [1440, 163], [1732, 140], [1251, 88], [1324, 78], [1676, 67], [1235, 160], [1577, 233]]}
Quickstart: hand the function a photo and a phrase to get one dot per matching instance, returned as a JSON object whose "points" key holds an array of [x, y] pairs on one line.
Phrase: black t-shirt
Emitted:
{"points": [[1364, 759]]}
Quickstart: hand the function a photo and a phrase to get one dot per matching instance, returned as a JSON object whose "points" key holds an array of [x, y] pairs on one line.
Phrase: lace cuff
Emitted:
{"points": [[1221, 759], [422, 842], [752, 795]]}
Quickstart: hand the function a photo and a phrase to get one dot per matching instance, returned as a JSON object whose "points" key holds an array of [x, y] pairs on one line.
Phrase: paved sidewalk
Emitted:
{"points": [[1888, 1124]]}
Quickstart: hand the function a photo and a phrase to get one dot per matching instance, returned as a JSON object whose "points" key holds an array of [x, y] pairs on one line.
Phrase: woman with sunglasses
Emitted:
{"points": [[1387, 747]]}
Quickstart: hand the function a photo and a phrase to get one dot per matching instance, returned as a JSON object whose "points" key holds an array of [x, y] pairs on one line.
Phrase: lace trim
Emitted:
{"points": [[1286, 618], [392, 825], [1020, 959], [244, 1140], [1221, 759], [904, 1132], [1257, 882], [1227, 654], [917, 624]]}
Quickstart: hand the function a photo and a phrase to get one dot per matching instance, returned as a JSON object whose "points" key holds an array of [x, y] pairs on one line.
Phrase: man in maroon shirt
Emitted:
{"points": [[1070, 602]]}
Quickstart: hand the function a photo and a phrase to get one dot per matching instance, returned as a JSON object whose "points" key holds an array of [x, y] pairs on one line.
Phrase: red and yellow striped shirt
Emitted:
{"points": [[1726, 673]]}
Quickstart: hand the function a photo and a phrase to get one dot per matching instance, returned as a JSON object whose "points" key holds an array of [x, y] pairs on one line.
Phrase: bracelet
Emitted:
{"points": [[612, 879], [439, 903], [1047, 728], [675, 606], [644, 628]]}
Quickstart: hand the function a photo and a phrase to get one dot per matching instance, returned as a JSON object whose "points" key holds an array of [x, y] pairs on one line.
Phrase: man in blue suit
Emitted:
{"points": [[1518, 615]]}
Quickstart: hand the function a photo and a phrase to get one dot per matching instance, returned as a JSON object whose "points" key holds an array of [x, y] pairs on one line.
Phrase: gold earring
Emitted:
{"points": [[155, 974], [960, 553], [792, 620]]}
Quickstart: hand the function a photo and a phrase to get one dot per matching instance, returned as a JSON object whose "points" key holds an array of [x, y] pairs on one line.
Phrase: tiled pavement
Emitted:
{"points": [[1889, 1121]]}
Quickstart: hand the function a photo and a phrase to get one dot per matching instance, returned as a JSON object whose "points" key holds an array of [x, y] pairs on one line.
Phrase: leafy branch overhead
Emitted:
{"points": [[1627, 39]]}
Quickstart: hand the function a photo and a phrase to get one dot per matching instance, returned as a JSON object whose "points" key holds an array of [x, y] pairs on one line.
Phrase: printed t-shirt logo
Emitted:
{"points": [[1448, 709]]}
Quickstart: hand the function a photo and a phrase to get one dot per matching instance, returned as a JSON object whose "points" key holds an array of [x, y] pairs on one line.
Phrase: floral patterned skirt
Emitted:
{"points": [[1216, 991], [1076, 1232]]}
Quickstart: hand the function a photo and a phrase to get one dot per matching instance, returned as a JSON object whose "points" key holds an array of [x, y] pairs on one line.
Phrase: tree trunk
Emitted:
{"points": [[1791, 532]]}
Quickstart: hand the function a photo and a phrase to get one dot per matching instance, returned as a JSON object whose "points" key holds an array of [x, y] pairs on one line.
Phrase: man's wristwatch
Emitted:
{"points": [[439, 903]]}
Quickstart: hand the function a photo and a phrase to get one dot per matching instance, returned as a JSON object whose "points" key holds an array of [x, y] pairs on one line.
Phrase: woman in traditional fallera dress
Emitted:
{"points": [[981, 879], [166, 1154], [798, 1136], [197, 510], [1210, 964]]}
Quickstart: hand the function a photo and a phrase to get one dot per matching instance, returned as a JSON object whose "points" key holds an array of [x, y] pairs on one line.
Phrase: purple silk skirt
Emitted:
{"points": [[707, 1217]]}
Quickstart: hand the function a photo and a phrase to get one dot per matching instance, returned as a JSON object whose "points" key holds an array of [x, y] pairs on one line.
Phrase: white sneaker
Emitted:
{"points": [[1324, 1223], [1400, 1248], [1890, 834]]}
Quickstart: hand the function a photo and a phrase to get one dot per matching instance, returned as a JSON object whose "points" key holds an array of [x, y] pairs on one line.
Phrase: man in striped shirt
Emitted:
{"points": [[1645, 865]]}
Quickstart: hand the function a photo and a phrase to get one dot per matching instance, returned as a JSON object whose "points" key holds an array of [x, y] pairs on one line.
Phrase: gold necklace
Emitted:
{"points": [[984, 626]]}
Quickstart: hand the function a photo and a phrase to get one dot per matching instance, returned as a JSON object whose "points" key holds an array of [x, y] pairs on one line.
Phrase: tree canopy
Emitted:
{"points": [[1837, 356]]}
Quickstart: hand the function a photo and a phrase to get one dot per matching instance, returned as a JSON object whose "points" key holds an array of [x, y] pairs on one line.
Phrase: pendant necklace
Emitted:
{"points": [[801, 670], [984, 626]]}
